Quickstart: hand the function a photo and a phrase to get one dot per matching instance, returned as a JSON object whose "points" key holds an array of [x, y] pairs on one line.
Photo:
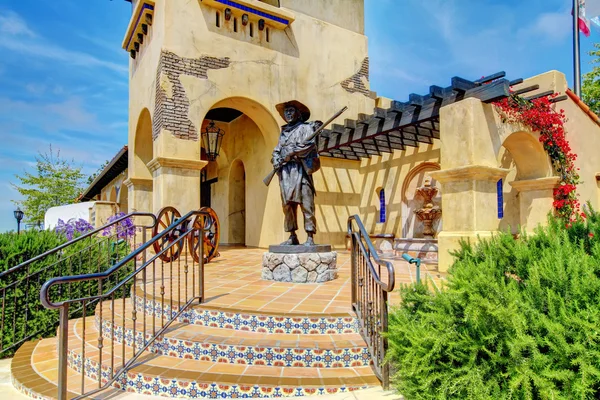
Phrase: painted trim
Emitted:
{"points": [[273, 16], [132, 29]]}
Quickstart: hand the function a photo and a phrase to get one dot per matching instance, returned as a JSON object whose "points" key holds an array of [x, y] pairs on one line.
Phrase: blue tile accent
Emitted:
{"points": [[500, 196], [254, 11], [137, 22], [382, 205]]}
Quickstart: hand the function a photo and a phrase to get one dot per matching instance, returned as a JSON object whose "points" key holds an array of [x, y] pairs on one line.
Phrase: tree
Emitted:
{"points": [[56, 182], [591, 82], [93, 176]]}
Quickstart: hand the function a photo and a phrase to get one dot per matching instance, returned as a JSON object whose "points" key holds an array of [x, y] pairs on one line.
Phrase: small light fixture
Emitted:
{"points": [[245, 19], [227, 14], [212, 138], [18, 216], [261, 24]]}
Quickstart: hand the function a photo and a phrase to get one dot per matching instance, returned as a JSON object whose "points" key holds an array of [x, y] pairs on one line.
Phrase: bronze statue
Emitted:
{"points": [[295, 159]]}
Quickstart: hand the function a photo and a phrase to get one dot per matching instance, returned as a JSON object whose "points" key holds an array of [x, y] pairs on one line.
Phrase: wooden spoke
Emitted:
{"points": [[210, 240], [166, 216]]}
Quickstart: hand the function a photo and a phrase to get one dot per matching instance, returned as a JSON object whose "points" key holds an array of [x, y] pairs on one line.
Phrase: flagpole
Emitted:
{"points": [[576, 59]]}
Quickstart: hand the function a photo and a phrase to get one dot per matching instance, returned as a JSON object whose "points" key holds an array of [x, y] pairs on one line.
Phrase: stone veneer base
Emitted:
{"points": [[300, 268]]}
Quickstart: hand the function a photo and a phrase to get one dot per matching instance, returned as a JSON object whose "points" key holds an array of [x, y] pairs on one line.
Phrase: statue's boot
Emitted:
{"points": [[292, 241], [309, 241]]}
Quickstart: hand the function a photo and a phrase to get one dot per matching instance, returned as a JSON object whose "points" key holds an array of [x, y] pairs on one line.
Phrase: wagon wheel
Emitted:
{"points": [[165, 218], [211, 236]]}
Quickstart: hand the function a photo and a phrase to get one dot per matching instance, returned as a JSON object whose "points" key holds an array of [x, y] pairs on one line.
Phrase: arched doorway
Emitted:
{"points": [[140, 196], [411, 202], [235, 179], [237, 203]]}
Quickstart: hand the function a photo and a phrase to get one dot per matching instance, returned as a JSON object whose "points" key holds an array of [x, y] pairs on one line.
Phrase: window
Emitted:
{"points": [[268, 39], [251, 29], [218, 19], [235, 24], [381, 205], [500, 197]]}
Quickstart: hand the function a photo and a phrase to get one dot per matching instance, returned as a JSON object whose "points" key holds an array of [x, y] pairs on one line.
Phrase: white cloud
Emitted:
{"points": [[19, 38], [12, 24], [553, 26]]}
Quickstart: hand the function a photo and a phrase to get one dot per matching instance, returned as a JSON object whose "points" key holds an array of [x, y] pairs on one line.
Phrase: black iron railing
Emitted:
{"points": [[161, 288], [23, 317], [370, 295]]}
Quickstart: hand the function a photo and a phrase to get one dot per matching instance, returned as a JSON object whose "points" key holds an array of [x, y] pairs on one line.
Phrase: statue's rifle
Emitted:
{"points": [[269, 178]]}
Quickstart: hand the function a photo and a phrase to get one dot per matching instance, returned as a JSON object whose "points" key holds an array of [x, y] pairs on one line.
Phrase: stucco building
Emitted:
{"points": [[231, 62]]}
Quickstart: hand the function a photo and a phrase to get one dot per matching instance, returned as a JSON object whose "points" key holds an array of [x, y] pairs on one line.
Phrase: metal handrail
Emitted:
{"points": [[27, 277], [370, 294], [63, 306], [363, 234], [79, 238]]}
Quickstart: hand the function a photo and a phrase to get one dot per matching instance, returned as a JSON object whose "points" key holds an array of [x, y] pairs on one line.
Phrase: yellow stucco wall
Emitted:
{"points": [[116, 192], [260, 75]]}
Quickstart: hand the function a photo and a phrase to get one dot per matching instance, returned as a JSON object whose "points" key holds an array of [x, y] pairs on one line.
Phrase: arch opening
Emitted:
{"points": [[143, 146], [237, 203]]}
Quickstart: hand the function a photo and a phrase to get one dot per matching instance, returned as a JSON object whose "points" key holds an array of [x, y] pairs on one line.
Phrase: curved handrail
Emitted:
{"points": [[362, 232], [79, 238], [44, 293]]}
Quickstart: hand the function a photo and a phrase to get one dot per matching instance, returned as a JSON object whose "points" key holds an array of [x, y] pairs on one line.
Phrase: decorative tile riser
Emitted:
{"points": [[156, 386], [27, 391], [255, 323], [247, 355]]}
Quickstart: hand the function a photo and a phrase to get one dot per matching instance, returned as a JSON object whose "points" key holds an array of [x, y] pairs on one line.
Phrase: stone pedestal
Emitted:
{"points": [[296, 264]]}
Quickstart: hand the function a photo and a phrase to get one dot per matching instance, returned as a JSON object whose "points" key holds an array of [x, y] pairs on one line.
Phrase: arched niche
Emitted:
{"points": [[411, 202], [143, 147], [237, 203]]}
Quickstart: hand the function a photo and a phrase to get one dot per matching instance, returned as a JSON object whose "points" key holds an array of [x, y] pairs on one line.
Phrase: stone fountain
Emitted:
{"points": [[429, 213]]}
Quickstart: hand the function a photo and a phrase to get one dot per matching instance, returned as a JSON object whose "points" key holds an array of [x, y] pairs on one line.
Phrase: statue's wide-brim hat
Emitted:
{"points": [[302, 109]]}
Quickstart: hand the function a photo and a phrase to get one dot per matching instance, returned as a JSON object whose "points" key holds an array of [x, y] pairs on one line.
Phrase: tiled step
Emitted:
{"points": [[176, 377], [301, 323], [237, 347], [34, 372]]}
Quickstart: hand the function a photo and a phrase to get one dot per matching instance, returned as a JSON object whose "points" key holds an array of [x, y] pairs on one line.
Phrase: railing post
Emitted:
{"points": [[385, 369], [201, 262], [63, 348]]}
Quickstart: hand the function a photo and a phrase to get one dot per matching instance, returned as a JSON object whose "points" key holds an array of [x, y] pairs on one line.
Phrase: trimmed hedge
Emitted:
{"points": [[23, 314], [518, 319]]}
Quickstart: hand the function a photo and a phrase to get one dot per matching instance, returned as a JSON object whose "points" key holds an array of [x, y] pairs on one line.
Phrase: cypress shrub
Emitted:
{"points": [[517, 319]]}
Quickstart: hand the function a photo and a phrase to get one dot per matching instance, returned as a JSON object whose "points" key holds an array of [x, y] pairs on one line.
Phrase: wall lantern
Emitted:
{"points": [[227, 14], [211, 139], [261, 24], [19, 216], [245, 19]]}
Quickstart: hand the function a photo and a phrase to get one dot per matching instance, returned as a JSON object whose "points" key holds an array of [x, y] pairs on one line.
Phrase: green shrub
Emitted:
{"points": [[518, 319], [23, 316]]}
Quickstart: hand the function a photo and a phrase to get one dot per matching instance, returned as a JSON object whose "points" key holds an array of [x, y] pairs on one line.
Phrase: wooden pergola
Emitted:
{"points": [[413, 122]]}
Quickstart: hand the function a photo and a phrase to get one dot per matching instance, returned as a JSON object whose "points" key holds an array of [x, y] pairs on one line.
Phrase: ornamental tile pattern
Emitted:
{"points": [[298, 325], [247, 355], [157, 386]]}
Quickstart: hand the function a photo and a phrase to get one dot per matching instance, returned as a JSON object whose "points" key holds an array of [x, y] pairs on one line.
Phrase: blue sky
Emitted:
{"points": [[63, 74]]}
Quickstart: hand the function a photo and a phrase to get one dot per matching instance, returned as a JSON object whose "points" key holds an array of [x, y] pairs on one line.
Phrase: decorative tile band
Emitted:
{"points": [[300, 325], [156, 386], [247, 355]]}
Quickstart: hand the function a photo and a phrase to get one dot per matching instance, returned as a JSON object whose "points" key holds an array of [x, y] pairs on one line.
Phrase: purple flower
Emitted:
{"points": [[73, 228], [124, 229]]}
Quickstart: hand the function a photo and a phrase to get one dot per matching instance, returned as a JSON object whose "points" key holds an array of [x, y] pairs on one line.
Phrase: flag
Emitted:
{"points": [[584, 23]]}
